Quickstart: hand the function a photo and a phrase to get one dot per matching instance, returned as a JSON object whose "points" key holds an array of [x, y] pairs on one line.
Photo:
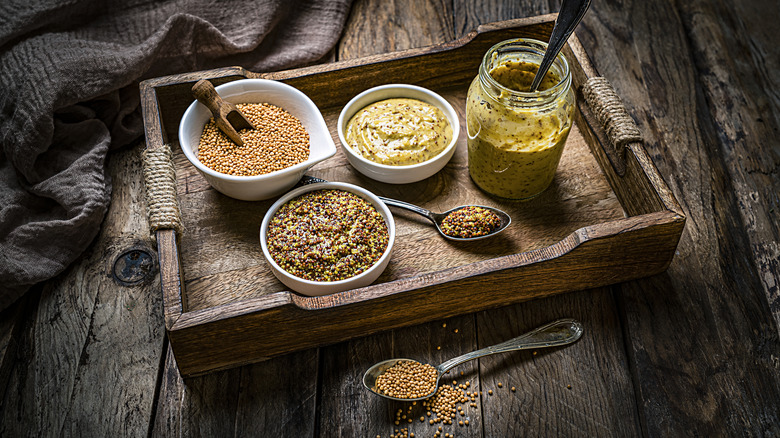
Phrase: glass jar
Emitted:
{"points": [[515, 137]]}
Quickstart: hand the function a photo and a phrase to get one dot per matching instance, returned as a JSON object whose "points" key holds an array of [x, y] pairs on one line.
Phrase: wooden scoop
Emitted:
{"points": [[228, 118]]}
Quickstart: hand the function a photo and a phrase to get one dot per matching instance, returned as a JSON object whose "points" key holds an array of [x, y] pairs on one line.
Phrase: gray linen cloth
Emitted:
{"points": [[69, 73]]}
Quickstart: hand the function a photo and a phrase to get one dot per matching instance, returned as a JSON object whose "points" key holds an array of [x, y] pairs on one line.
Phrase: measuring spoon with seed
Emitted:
{"points": [[554, 334], [436, 218]]}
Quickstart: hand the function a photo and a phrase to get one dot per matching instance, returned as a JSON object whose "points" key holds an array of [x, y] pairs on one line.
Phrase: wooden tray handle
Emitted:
{"points": [[162, 205], [613, 116]]}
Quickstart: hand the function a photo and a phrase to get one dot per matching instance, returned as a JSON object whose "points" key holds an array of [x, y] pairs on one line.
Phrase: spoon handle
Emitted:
{"points": [[569, 17], [408, 206], [560, 332]]}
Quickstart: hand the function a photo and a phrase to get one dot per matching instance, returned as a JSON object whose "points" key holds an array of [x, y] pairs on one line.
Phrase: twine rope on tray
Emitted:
{"points": [[618, 124], [162, 205]]}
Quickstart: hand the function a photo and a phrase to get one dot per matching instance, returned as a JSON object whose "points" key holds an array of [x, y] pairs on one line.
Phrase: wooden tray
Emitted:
{"points": [[608, 217]]}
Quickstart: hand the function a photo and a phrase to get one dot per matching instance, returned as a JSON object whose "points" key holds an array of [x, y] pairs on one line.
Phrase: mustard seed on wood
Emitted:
{"points": [[278, 141]]}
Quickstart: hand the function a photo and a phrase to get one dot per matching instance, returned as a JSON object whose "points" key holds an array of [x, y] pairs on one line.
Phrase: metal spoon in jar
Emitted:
{"points": [[438, 218], [556, 333], [569, 17]]}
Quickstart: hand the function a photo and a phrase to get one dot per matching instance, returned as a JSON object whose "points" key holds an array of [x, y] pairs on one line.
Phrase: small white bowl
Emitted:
{"points": [[398, 174], [290, 99], [317, 288]]}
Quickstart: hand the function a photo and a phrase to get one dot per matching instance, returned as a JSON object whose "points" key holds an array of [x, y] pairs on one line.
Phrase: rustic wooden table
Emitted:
{"points": [[693, 351]]}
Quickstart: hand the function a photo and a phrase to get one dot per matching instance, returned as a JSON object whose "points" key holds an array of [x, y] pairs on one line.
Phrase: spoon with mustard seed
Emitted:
{"points": [[462, 224], [410, 380]]}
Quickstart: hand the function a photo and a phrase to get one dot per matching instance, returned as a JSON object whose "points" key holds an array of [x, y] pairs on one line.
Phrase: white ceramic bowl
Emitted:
{"points": [[316, 288], [292, 100], [398, 174]]}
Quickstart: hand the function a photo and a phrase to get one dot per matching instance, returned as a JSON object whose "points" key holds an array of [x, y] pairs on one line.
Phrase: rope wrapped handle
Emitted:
{"points": [[162, 204], [611, 113]]}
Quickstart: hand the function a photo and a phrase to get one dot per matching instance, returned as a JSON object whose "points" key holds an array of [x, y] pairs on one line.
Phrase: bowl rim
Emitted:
{"points": [[192, 158], [448, 109], [360, 191]]}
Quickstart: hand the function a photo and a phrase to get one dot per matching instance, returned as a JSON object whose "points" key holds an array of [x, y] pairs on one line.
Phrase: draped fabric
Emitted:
{"points": [[69, 74]]}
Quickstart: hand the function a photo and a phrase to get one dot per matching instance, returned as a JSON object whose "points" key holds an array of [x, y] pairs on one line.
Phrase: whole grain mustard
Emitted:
{"points": [[327, 235], [515, 137]]}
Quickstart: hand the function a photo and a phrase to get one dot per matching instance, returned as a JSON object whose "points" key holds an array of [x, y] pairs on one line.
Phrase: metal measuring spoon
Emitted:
{"points": [[556, 333], [437, 218], [569, 17]]}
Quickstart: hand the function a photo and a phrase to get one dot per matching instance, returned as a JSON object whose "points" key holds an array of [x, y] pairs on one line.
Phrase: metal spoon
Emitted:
{"points": [[556, 333], [437, 218], [569, 17]]}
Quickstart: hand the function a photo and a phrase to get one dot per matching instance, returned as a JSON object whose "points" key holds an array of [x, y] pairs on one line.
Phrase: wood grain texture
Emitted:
{"points": [[91, 352], [380, 26], [715, 307], [584, 389], [274, 398]]}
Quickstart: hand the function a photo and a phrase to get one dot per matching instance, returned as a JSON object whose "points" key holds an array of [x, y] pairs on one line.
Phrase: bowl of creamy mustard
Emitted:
{"points": [[398, 133]]}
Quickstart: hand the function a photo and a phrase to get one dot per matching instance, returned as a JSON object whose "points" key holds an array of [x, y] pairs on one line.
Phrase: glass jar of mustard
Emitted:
{"points": [[516, 137]]}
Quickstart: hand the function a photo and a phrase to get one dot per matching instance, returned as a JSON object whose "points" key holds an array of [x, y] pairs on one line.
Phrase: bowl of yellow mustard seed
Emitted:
{"points": [[326, 238], [289, 137]]}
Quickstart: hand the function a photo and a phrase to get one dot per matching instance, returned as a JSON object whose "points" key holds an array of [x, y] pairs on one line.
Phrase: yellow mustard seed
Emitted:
{"points": [[278, 141]]}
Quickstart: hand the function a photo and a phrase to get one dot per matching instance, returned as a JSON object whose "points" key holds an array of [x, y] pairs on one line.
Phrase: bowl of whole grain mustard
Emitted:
{"points": [[398, 133], [326, 238], [290, 136]]}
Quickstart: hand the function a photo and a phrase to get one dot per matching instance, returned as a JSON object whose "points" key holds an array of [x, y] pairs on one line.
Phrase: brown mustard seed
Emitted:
{"points": [[407, 379], [327, 235], [471, 221], [278, 141]]}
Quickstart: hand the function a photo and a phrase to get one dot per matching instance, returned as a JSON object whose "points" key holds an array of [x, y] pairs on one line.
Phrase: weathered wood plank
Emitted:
{"points": [[92, 346], [273, 398], [12, 320], [702, 337], [583, 389]]}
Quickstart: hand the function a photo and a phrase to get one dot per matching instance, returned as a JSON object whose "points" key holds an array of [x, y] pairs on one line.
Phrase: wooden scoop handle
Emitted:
{"points": [[206, 94]]}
